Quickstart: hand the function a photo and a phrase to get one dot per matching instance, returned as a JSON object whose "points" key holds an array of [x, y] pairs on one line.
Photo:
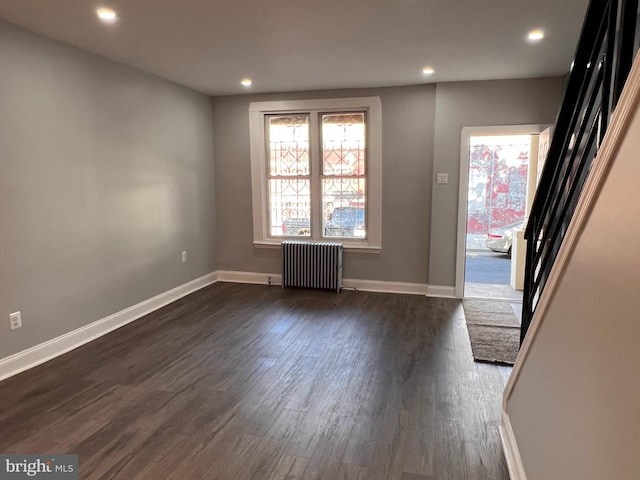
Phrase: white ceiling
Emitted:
{"points": [[291, 45]]}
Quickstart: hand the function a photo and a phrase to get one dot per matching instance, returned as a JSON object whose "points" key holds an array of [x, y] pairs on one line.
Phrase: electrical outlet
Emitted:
{"points": [[442, 178], [184, 256], [15, 321]]}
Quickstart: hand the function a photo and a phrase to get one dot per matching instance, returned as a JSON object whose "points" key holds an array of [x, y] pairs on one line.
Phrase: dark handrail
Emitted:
{"points": [[602, 63]]}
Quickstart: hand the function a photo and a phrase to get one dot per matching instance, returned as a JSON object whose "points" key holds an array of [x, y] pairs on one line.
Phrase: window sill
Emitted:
{"points": [[348, 246]]}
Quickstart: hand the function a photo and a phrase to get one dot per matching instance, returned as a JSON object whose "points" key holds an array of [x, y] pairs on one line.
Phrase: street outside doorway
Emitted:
{"points": [[487, 273]]}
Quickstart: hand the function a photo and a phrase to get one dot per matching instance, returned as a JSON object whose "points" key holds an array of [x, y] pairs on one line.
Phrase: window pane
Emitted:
{"points": [[290, 207], [343, 144], [288, 145], [343, 203]]}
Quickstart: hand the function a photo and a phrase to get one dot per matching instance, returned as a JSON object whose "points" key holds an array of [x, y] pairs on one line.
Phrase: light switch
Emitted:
{"points": [[442, 178]]}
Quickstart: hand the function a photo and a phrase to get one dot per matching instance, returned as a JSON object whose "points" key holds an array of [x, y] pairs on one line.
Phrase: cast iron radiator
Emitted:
{"points": [[312, 265]]}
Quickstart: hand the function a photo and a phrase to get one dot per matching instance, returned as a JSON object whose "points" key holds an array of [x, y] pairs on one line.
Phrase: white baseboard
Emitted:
{"points": [[248, 277], [382, 286], [55, 347], [440, 291], [364, 285], [510, 447]]}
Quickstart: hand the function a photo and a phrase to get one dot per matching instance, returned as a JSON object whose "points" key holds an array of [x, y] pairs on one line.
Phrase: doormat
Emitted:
{"points": [[494, 330]]}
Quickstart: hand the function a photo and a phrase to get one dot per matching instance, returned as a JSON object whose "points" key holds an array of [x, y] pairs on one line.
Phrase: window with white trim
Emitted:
{"points": [[316, 171]]}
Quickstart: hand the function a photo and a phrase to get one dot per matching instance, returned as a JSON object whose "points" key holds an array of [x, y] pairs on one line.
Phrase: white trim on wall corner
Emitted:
{"points": [[55, 347], [510, 447], [441, 291]]}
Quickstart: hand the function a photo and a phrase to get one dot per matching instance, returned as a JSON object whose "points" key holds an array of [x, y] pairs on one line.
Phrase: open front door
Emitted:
{"points": [[499, 171]]}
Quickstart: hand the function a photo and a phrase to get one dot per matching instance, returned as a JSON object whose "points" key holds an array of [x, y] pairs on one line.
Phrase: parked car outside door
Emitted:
{"points": [[501, 239]]}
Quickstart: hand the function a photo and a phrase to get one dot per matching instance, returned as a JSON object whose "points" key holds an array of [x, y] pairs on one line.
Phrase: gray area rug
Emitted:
{"points": [[494, 330]]}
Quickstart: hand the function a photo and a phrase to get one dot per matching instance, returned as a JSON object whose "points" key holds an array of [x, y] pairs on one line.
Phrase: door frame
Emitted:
{"points": [[463, 188]]}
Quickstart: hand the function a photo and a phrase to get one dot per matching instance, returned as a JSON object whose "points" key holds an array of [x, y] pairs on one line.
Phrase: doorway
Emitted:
{"points": [[497, 184]]}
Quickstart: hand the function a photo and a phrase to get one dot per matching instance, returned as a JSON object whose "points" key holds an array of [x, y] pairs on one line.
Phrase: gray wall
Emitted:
{"points": [[106, 175], [407, 148], [422, 128], [469, 104]]}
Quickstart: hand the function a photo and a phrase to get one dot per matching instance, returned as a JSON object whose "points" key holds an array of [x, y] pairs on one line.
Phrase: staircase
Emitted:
{"points": [[603, 59]]}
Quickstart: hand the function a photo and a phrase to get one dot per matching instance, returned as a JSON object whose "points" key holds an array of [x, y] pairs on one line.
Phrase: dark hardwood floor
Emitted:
{"points": [[251, 382]]}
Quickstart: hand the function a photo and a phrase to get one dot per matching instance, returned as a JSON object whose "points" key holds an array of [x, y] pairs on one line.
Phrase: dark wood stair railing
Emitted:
{"points": [[603, 59]]}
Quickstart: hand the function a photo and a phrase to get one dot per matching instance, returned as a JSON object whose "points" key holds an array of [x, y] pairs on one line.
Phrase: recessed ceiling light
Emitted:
{"points": [[246, 82], [428, 71], [107, 15], [535, 35]]}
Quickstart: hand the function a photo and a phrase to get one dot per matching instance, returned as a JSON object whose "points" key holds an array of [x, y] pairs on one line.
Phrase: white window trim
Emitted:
{"points": [[257, 113]]}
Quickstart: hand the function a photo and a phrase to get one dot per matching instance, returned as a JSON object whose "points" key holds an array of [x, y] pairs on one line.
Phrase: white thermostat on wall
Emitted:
{"points": [[442, 178]]}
